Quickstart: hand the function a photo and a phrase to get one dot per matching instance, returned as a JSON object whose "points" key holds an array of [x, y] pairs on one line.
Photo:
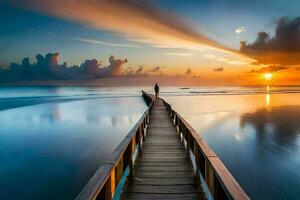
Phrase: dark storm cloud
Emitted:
{"points": [[283, 48], [287, 37]]}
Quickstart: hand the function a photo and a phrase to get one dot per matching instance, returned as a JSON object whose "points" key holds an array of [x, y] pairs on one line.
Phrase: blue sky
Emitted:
{"points": [[25, 33]]}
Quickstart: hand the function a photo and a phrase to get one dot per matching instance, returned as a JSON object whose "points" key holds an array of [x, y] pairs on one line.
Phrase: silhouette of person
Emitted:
{"points": [[156, 89]]}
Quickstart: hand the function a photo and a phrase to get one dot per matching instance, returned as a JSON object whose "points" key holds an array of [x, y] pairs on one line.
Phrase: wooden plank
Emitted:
{"points": [[161, 181], [162, 139], [164, 174], [163, 189], [160, 117], [163, 154], [182, 168], [161, 126], [161, 133], [161, 129], [163, 147], [166, 145], [166, 160], [163, 143], [163, 150], [137, 196], [164, 164]]}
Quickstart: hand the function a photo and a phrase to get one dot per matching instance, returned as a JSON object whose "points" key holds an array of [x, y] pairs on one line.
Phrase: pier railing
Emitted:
{"points": [[218, 179], [105, 180]]}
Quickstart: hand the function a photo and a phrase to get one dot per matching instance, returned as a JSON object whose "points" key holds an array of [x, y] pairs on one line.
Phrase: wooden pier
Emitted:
{"points": [[162, 158], [164, 170]]}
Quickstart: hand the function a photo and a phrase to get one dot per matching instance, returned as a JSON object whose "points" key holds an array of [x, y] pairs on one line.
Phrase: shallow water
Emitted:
{"points": [[52, 144], [256, 136]]}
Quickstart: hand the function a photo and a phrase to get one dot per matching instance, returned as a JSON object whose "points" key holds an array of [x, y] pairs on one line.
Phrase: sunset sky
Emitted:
{"points": [[193, 38]]}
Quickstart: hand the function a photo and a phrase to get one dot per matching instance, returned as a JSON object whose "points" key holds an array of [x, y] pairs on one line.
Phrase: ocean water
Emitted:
{"points": [[52, 139], [255, 132]]}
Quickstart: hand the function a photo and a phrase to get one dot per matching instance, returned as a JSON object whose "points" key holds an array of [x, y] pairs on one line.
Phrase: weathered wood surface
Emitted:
{"points": [[164, 170]]}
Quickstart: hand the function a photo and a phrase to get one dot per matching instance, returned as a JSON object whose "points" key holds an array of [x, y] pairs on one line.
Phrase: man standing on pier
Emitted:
{"points": [[156, 89]]}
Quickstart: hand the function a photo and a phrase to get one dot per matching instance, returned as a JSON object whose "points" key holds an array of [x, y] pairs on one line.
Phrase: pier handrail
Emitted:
{"points": [[219, 180], [105, 180]]}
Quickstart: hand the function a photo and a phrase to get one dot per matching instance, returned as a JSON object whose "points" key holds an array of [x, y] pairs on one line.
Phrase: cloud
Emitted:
{"points": [[114, 67], [90, 67], [188, 71], [139, 70], [156, 69], [128, 71], [231, 60], [47, 68], [240, 29], [210, 56], [281, 49], [134, 19], [92, 41], [179, 54], [218, 69], [271, 68]]}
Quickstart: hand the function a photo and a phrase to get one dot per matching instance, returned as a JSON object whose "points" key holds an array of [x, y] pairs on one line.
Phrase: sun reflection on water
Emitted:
{"points": [[268, 99]]}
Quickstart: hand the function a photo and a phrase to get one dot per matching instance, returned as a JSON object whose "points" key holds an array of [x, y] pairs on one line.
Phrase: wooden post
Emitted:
{"points": [[209, 177], [141, 139], [142, 130], [219, 192], [197, 162], [149, 115], [110, 186], [119, 171], [188, 136], [132, 148]]}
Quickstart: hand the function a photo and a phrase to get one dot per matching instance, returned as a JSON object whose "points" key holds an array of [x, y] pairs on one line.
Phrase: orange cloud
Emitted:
{"points": [[137, 20], [276, 58], [92, 41]]}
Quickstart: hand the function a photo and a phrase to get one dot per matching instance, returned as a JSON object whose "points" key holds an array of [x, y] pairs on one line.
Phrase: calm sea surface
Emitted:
{"points": [[52, 139], [256, 134]]}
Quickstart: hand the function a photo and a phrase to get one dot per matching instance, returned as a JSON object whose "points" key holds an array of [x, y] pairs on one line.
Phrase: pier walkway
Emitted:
{"points": [[164, 170], [162, 157]]}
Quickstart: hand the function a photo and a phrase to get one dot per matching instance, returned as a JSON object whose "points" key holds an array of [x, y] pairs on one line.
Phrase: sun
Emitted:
{"points": [[268, 76]]}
